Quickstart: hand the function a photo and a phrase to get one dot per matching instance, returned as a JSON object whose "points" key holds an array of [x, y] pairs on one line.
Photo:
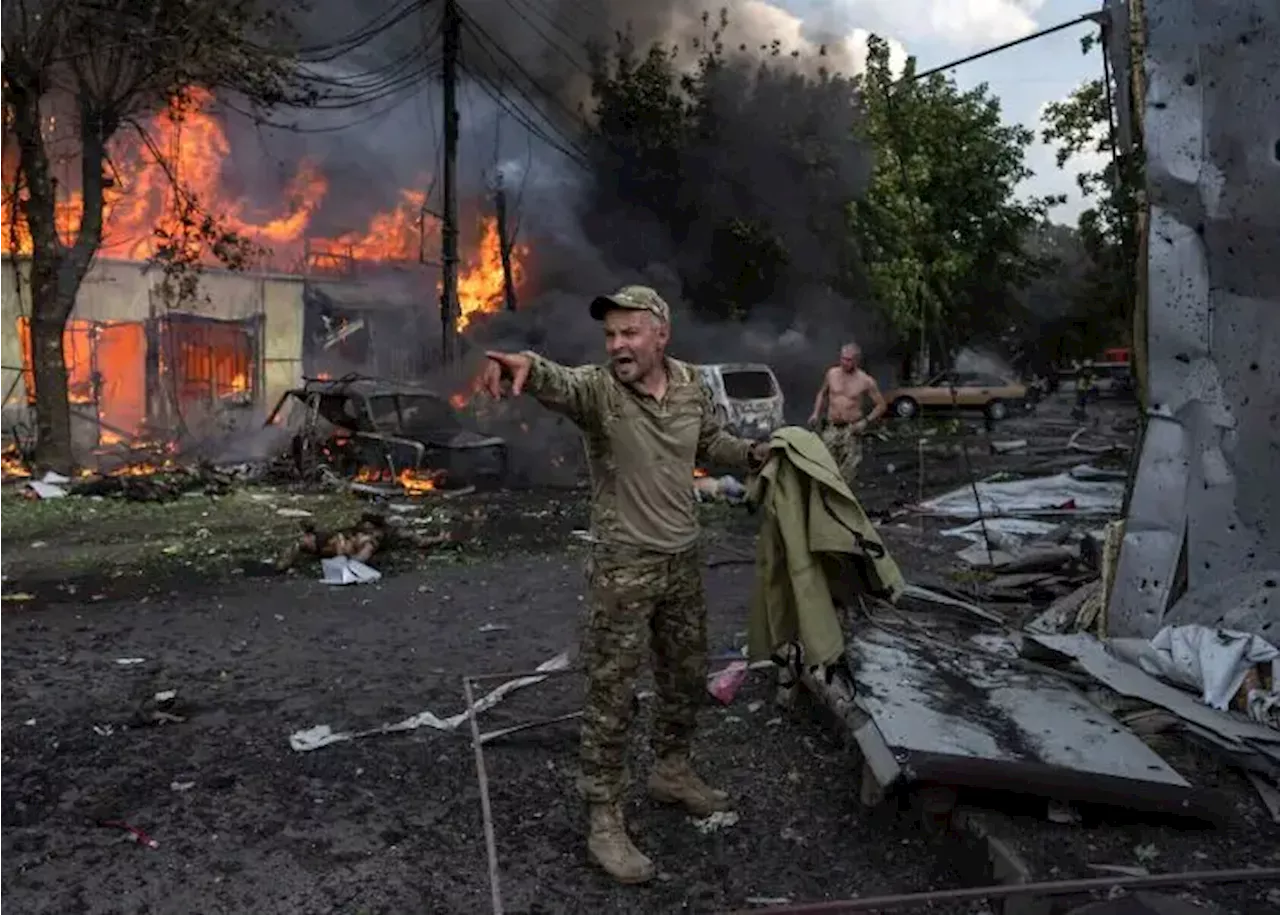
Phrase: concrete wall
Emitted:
{"points": [[124, 291]]}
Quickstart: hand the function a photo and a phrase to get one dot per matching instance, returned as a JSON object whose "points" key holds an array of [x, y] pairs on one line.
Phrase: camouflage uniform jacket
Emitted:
{"points": [[641, 451]]}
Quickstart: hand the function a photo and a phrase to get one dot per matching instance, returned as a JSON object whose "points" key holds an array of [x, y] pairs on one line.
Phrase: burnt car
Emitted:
{"points": [[747, 397], [371, 429]]}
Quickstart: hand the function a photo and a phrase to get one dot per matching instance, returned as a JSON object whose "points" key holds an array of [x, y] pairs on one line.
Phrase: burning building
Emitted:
{"points": [[310, 303]]}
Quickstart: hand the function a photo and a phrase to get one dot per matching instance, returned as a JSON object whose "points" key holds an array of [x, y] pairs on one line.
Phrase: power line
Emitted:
{"points": [[577, 157], [544, 36], [567, 144], [483, 38], [375, 27], [1061, 26]]}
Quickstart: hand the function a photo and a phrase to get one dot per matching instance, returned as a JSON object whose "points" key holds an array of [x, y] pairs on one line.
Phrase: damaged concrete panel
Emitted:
{"points": [[961, 718], [1205, 496]]}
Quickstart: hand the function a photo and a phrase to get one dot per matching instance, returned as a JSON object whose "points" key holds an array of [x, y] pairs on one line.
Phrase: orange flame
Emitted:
{"points": [[699, 473], [482, 288], [11, 465], [187, 142], [414, 482]]}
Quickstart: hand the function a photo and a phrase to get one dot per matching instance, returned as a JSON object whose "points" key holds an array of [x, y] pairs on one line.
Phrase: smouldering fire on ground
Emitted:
{"points": [[413, 482]]}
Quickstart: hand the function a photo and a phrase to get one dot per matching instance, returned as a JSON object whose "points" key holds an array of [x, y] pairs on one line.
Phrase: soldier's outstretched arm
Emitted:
{"points": [[718, 446], [575, 392]]}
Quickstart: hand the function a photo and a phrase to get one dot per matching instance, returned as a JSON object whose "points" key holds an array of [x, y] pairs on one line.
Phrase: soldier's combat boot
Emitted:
{"points": [[673, 781], [611, 847]]}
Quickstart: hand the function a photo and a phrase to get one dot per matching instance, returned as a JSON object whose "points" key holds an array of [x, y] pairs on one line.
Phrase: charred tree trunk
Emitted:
{"points": [[57, 269]]}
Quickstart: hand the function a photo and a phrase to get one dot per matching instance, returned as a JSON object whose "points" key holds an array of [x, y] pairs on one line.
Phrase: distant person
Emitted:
{"points": [[1085, 378], [844, 388]]}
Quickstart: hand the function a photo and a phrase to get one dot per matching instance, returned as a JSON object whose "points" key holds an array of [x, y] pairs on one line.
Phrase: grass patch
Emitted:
{"points": [[113, 537]]}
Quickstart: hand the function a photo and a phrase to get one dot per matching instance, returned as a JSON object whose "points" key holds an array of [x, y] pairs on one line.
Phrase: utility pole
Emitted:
{"points": [[449, 230], [504, 244]]}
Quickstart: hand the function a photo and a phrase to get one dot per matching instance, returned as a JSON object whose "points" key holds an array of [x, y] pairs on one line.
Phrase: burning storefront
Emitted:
{"points": [[143, 367]]}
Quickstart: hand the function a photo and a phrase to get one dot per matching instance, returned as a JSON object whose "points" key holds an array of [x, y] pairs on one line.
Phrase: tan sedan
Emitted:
{"points": [[991, 394]]}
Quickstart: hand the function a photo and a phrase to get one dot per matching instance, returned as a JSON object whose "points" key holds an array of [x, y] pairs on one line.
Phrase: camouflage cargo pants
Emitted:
{"points": [[845, 446], [640, 603]]}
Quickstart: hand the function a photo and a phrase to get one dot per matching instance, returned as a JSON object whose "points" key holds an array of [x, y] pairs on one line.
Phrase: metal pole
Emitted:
{"points": [[490, 838], [504, 245], [451, 25], [1047, 888]]}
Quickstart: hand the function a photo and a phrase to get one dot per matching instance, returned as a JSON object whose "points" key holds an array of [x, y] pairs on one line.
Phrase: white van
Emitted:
{"points": [[747, 398]]}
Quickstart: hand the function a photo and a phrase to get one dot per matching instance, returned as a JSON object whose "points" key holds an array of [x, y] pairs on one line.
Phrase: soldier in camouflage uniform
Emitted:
{"points": [[646, 420]]}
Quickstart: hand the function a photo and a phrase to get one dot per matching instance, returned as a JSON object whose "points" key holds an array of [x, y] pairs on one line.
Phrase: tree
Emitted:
{"points": [[94, 69], [746, 165], [941, 227], [1083, 125]]}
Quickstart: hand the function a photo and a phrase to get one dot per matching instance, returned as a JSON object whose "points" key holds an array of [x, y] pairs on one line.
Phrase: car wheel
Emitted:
{"points": [[997, 410], [905, 407]]}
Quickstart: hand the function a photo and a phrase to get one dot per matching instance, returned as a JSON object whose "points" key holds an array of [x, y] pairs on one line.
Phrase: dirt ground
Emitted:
{"points": [[112, 613]]}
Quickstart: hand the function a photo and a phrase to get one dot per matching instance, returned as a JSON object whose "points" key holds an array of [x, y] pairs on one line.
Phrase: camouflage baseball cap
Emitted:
{"points": [[632, 298]]}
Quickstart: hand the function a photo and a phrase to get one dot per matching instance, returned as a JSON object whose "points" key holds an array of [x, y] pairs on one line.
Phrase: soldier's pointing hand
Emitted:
{"points": [[512, 366]]}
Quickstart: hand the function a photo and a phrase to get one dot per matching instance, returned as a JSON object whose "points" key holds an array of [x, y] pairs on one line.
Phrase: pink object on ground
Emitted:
{"points": [[724, 685]]}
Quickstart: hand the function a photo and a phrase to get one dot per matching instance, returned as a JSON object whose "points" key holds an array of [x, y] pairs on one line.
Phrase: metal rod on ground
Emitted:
{"points": [[565, 671], [486, 811], [523, 674], [451, 24], [1047, 888], [528, 726]]}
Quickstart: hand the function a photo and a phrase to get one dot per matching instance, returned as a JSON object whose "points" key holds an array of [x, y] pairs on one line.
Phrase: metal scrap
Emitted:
{"points": [[975, 719]]}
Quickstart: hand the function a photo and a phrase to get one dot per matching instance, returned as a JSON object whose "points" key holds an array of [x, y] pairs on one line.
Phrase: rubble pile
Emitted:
{"points": [[1022, 631], [359, 542]]}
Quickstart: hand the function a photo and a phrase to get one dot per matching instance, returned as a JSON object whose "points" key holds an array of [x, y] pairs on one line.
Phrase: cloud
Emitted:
{"points": [[757, 24], [961, 23]]}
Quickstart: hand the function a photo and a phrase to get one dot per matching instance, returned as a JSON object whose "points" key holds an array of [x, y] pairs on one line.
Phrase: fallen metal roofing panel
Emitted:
{"points": [[971, 718], [1132, 681]]}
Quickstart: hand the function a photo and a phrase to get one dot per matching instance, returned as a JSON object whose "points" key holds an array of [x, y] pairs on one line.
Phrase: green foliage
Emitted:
{"points": [[1081, 125], [747, 167], [941, 227], [901, 194]]}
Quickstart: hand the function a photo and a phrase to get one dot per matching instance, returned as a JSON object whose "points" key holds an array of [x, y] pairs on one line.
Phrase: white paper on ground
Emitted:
{"points": [[343, 570], [46, 490], [322, 735]]}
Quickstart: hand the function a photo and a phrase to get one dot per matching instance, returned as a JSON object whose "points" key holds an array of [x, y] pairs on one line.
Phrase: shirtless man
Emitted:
{"points": [[844, 387]]}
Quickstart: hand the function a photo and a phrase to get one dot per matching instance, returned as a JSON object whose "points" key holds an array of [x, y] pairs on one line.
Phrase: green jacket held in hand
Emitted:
{"points": [[816, 546]]}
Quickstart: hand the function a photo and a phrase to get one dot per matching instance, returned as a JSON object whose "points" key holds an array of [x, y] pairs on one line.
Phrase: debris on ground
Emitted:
{"points": [[719, 489], [133, 833], [958, 655], [343, 570], [1082, 491], [323, 735], [339, 549], [50, 486], [725, 684], [721, 819]]}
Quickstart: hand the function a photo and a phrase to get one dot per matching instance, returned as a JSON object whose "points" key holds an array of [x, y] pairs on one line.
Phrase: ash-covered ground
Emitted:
{"points": [[105, 610]]}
